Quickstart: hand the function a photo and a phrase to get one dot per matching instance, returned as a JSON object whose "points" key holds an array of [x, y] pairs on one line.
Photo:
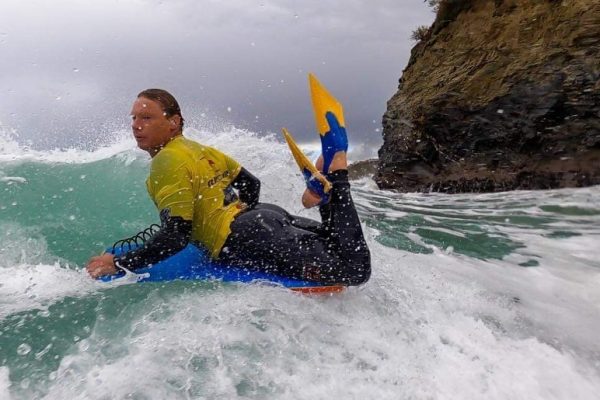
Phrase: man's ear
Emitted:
{"points": [[175, 121]]}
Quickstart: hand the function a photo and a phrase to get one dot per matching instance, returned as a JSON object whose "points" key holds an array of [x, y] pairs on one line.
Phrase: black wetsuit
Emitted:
{"points": [[267, 238], [270, 239]]}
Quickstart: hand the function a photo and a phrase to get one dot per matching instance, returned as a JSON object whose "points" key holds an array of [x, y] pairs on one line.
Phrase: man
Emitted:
{"points": [[193, 188]]}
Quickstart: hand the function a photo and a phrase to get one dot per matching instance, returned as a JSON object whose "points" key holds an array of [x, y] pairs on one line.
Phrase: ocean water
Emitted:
{"points": [[472, 296]]}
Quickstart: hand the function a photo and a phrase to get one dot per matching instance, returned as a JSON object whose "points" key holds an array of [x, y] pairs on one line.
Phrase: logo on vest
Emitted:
{"points": [[216, 179]]}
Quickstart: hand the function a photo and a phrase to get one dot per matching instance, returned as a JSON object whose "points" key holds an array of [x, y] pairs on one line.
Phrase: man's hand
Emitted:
{"points": [[101, 265]]}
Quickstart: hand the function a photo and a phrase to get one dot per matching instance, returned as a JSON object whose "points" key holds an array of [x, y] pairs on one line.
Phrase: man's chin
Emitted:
{"points": [[142, 146], [152, 150]]}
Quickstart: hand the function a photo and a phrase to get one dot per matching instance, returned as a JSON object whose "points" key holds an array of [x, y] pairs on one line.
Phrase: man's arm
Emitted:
{"points": [[248, 186], [171, 190], [173, 236]]}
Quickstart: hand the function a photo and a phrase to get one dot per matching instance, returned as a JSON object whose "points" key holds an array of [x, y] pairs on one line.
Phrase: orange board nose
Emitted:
{"points": [[320, 289]]}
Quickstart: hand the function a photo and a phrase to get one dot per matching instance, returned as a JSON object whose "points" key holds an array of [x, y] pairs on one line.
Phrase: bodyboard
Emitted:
{"points": [[193, 263]]}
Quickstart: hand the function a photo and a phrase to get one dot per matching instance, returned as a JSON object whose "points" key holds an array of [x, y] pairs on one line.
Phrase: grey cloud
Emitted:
{"points": [[70, 68]]}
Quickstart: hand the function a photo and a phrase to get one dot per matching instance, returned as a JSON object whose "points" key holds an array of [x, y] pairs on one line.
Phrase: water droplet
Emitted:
{"points": [[72, 217], [228, 109], [75, 70], [82, 177], [58, 98], [252, 44], [84, 345], [23, 349]]}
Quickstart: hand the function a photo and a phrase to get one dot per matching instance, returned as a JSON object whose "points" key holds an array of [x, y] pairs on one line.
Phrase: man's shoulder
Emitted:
{"points": [[183, 151], [190, 148], [169, 157], [184, 142], [166, 155]]}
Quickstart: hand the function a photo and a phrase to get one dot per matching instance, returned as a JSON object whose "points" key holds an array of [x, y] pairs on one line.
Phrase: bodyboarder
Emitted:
{"points": [[207, 198]]}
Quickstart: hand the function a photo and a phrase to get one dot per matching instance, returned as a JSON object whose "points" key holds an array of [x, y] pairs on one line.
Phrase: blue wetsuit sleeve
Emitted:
{"points": [[248, 187], [173, 236]]}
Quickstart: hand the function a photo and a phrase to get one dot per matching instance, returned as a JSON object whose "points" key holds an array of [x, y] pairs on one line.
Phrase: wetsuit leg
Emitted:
{"points": [[265, 238], [344, 233]]}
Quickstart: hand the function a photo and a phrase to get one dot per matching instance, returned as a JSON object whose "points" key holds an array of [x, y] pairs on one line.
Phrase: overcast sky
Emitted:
{"points": [[70, 69]]}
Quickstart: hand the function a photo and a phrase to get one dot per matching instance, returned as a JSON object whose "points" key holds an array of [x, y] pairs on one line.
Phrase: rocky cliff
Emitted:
{"points": [[498, 95]]}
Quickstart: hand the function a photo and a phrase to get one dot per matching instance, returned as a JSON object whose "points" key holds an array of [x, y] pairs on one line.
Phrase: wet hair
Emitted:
{"points": [[169, 105]]}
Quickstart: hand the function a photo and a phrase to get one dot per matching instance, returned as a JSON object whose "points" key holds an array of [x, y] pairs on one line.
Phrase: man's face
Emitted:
{"points": [[151, 127]]}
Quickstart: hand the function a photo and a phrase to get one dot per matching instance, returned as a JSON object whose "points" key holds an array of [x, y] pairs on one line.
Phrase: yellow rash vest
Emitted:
{"points": [[190, 181]]}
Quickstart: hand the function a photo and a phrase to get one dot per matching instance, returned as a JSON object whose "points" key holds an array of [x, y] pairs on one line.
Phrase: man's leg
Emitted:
{"points": [[265, 239]]}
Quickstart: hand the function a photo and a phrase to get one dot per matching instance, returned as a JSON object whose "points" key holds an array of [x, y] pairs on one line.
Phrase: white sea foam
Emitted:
{"points": [[11, 151], [13, 179], [29, 287], [30, 277], [417, 330], [5, 384], [122, 141]]}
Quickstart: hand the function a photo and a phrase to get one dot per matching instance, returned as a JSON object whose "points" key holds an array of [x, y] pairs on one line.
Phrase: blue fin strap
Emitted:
{"points": [[333, 141], [315, 186]]}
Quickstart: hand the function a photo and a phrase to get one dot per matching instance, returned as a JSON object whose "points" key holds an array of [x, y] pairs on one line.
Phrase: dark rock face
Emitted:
{"points": [[506, 96], [361, 169]]}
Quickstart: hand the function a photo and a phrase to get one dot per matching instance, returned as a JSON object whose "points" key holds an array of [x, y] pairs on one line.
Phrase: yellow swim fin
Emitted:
{"points": [[306, 166], [323, 102], [329, 117]]}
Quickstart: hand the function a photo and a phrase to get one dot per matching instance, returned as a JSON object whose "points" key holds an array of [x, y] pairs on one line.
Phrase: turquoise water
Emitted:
{"points": [[472, 296]]}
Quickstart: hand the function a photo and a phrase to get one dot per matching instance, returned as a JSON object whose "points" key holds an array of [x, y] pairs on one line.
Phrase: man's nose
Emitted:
{"points": [[136, 125]]}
